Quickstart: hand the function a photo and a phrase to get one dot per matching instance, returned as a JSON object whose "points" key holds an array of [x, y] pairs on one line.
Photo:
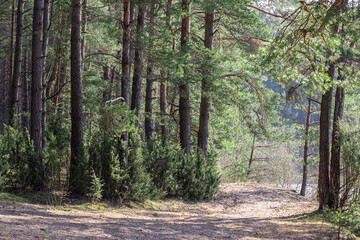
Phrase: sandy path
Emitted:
{"points": [[239, 211]]}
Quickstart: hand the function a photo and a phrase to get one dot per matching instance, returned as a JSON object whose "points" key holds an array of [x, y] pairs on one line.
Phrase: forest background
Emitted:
{"points": [[130, 100]]}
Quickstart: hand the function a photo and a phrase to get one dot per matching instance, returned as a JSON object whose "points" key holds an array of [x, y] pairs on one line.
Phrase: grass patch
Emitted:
{"points": [[8, 197]]}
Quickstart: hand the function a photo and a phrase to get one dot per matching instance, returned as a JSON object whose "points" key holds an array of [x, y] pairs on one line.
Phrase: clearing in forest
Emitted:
{"points": [[238, 211]]}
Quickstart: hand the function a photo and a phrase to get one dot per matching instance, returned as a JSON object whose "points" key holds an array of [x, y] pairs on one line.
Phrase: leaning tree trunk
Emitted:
{"points": [[251, 158], [184, 95], [36, 90], [203, 134], [306, 148], [76, 100], [138, 64], [17, 60], [324, 148]]}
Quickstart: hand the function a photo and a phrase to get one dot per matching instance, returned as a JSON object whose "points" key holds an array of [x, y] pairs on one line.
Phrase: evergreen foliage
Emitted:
{"points": [[18, 158], [199, 177]]}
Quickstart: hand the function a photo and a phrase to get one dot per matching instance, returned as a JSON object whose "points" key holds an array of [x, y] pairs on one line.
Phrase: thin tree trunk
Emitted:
{"points": [[131, 46], [138, 64], [324, 148], [11, 73], [17, 60], [46, 26], [125, 70], [306, 148], [184, 95], [149, 121], [163, 86], [125, 78], [36, 89], [335, 150], [107, 79], [84, 29], [251, 156], [203, 133], [25, 93], [163, 110], [61, 65], [76, 99]]}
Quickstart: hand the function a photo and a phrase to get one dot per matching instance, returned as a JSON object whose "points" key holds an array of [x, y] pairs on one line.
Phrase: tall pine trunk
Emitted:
{"points": [[125, 78], [46, 27], [149, 121], [84, 29], [17, 60], [203, 133], [76, 99], [306, 148], [324, 148], [163, 87], [336, 142], [335, 149], [138, 64], [36, 90], [11, 71], [184, 95]]}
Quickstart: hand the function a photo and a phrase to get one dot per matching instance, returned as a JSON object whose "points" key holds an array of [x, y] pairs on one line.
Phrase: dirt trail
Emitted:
{"points": [[239, 211]]}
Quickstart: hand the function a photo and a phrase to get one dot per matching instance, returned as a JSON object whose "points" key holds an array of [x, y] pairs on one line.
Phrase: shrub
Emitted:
{"points": [[200, 177], [96, 188], [18, 158], [122, 171], [163, 162], [348, 217]]}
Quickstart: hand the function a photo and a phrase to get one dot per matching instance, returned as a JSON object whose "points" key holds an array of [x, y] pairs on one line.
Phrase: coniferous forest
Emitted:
{"points": [[155, 99]]}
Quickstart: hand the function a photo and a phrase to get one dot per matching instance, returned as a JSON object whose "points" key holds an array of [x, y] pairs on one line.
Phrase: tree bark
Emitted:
{"points": [[46, 27], [184, 95], [203, 133], [251, 158], [107, 79], [11, 72], [17, 60], [125, 78], [84, 29], [325, 116], [149, 121], [76, 98], [25, 93], [163, 86], [132, 45], [335, 150], [36, 88], [336, 143], [61, 65], [138, 64], [306, 148]]}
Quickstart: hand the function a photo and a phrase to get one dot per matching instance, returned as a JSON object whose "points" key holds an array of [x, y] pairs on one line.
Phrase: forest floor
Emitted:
{"points": [[238, 211]]}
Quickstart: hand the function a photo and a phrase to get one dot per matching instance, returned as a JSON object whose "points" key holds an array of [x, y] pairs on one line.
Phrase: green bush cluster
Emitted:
{"points": [[18, 159], [108, 166], [176, 175], [348, 218], [151, 170]]}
